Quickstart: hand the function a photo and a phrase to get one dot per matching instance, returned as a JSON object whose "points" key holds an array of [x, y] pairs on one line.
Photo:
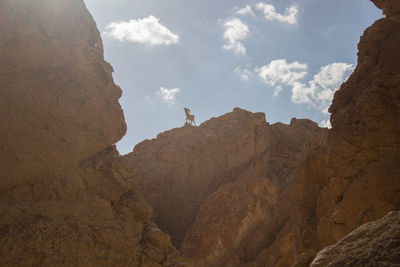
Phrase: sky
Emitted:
{"points": [[285, 58]]}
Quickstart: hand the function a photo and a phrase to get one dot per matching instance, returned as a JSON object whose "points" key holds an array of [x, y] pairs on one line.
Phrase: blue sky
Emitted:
{"points": [[284, 58]]}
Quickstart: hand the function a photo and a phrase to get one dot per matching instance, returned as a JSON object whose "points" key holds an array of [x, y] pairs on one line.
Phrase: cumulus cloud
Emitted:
{"points": [[168, 95], [235, 32], [326, 124], [243, 73], [270, 13], [148, 31], [247, 10], [319, 91], [279, 72]]}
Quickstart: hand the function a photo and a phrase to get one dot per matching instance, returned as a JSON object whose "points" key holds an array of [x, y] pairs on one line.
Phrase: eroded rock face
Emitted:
{"points": [[58, 102], [354, 178], [364, 143], [373, 244], [95, 216], [194, 168], [234, 224], [66, 197]]}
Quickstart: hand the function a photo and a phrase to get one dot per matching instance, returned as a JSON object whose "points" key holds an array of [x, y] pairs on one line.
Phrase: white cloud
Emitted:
{"points": [[247, 10], [148, 31], [270, 13], [168, 95], [326, 124], [319, 91], [235, 32], [244, 74], [279, 72]]}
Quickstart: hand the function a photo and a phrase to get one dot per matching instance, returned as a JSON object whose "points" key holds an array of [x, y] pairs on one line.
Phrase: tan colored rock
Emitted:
{"points": [[58, 102], [355, 177], [182, 167], [66, 197], [364, 143], [234, 222], [94, 217], [373, 244]]}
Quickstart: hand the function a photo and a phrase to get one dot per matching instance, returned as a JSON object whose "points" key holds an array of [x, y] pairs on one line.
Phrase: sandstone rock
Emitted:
{"points": [[354, 178], [373, 244], [364, 143], [94, 217], [233, 224], [58, 102], [66, 197], [182, 167]]}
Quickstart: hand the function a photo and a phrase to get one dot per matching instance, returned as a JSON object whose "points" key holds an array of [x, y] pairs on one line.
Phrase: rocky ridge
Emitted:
{"points": [[337, 184], [228, 176]]}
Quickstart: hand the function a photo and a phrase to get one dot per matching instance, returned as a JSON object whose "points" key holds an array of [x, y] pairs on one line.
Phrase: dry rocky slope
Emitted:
{"points": [[66, 197], [220, 189]]}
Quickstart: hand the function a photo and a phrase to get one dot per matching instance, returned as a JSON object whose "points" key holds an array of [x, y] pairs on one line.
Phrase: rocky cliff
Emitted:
{"points": [[66, 197], [355, 177], [235, 191], [218, 186]]}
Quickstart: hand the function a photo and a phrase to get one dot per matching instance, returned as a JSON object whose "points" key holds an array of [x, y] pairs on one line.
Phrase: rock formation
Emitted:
{"points": [[355, 177], [373, 244], [235, 191], [59, 104], [66, 197], [364, 143], [192, 174]]}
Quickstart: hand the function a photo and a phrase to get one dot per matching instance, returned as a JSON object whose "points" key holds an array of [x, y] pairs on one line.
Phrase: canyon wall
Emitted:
{"points": [[59, 104], [355, 177], [235, 191], [216, 187], [66, 197]]}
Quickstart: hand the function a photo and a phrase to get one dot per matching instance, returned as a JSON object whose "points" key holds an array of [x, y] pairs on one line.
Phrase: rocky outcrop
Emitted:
{"points": [[373, 244], [234, 224], [66, 197], [93, 217], [350, 180], [364, 143], [58, 102], [354, 178], [191, 175]]}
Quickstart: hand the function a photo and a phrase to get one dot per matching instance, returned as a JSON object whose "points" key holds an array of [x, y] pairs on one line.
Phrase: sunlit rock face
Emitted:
{"points": [[192, 175], [66, 196], [58, 102], [355, 177], [364, 143]]}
